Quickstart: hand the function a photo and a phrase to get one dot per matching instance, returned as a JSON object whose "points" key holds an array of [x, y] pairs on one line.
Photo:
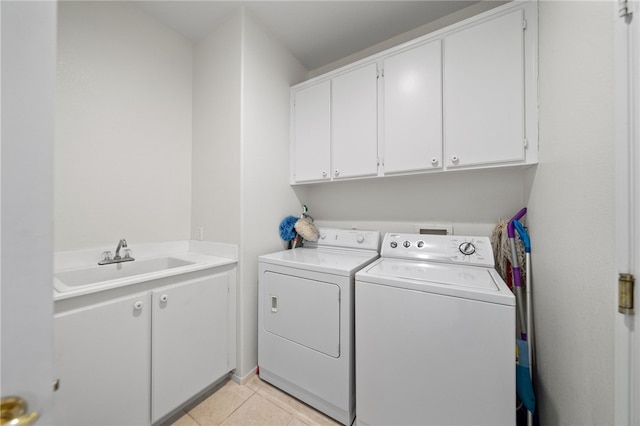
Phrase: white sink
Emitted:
{"points": [[76, 278]]}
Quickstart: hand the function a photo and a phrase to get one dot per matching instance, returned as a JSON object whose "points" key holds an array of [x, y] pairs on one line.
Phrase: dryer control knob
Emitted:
{"points": [[406, 244], [393, 244], [467, 248]]}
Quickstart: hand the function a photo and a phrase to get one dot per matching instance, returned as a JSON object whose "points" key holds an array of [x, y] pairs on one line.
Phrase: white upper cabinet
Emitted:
{"points": [[354, 123], [412, 111], [311, 117], [462, 97], [484, 93]]}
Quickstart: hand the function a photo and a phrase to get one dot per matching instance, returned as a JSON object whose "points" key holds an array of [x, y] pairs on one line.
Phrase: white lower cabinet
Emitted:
{"points": [[188, 339], [134, 359], [102, 361]]}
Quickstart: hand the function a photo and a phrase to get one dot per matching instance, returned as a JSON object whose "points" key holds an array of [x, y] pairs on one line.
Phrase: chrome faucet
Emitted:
{"points": [[107, 259], [122, 243]]}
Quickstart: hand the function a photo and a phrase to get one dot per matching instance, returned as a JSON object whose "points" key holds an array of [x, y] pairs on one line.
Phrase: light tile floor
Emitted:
{"points": [[254, 403]]}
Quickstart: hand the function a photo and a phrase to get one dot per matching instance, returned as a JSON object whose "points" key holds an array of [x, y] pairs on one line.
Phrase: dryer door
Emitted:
{"points": [[303, 311]]}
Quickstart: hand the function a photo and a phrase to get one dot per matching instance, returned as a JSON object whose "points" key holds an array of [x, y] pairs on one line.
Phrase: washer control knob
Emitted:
{"points": [[393, 244], [360, 239], [420, 244], [467, 248], [406, 244]]}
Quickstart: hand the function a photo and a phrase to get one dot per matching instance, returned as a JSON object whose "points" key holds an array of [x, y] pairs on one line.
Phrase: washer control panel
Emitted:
{"points": [[348, 238], [439, 248]]}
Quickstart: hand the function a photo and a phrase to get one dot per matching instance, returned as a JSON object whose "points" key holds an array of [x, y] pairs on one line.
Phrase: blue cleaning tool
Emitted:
{"points": [[524, 385], [524, 350], [524, 236], [287, 228]]}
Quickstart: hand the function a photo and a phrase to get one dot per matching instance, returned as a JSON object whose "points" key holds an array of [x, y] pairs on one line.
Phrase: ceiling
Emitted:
{"points": [[316, 32]]}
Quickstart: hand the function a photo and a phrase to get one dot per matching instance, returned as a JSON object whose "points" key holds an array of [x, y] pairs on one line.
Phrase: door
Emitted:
{"points": [[354, 123], [627, 63], [413, 110], [28, 34]]}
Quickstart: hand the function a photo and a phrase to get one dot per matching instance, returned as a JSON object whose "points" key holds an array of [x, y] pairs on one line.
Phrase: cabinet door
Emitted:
{"points": [[484, 92], [312, 133], [413, 110], [189, 340], [102, 361], [354, 123]]}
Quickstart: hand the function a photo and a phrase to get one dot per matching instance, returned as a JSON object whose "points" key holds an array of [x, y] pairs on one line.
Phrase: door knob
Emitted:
{"points": [[14, 412]]}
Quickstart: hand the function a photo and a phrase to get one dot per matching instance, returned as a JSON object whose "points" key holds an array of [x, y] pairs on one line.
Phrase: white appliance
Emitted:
{"points": [[435, 335], [305, 316]]}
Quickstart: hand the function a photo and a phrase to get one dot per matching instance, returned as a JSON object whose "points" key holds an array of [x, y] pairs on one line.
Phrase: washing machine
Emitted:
{"points": [[435, 335], [305, 316]]}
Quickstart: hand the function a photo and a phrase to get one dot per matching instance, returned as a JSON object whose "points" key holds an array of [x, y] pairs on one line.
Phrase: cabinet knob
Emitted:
{"points": [[336, 172], [164, 298], [324, 173], [455, 159], [434, 161], [137, 306]]}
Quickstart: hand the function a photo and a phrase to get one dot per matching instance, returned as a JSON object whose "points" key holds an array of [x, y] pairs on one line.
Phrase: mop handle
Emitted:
{"points": [[510, 227], [512, 242]]}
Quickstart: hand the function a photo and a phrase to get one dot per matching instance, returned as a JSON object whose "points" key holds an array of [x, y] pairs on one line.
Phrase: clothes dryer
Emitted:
{"points": [[435, 335], [305, 316]]}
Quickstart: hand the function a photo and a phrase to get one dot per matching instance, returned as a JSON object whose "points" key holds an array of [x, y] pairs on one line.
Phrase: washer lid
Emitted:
{"points": [[471, 282], [328, 260]]}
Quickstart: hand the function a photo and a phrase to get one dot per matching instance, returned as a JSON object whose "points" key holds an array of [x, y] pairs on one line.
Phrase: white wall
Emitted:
{"points": [[571, 215], [123, 128], [461, 199], [268, 71], [216, 135], [240, 154]]}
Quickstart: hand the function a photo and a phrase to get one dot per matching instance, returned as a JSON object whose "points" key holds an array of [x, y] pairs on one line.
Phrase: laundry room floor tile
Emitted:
{"points": [[254, 403]]}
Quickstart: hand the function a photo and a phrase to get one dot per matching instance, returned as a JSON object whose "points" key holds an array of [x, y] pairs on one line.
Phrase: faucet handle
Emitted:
{"points": [[106, 255], [127, 253]]}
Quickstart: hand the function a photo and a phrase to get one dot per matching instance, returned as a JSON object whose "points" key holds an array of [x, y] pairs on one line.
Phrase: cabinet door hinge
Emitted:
{"points": [[623, 9], [526, 143], [625, 294], [524, 24]]}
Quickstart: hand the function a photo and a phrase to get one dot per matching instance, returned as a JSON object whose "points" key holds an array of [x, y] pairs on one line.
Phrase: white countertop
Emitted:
{"points": [[200, 255]]}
